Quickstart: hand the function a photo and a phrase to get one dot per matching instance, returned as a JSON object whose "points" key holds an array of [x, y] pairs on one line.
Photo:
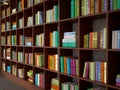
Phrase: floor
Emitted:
{"points": [[6, 84]]}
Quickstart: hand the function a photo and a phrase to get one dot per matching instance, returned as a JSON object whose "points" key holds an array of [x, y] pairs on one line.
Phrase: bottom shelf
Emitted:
{"points": [[25, 84]]}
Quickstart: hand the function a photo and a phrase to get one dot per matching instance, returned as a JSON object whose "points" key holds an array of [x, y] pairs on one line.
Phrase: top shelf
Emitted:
{"points": [[66, 8]]}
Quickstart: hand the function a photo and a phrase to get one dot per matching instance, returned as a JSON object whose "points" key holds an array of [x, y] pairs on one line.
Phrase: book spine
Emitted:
{"points": [[72, 8]]}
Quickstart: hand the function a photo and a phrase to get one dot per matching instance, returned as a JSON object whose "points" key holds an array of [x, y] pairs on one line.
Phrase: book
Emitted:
{"points": [[28, 41]]}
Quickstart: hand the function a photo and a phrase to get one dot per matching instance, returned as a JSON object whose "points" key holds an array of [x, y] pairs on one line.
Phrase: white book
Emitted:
{"points": [[105, 72], [113, 39]]}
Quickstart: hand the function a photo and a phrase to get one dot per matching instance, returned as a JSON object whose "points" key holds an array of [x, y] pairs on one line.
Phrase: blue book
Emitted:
{"points": [[118, 32], [36, 79], [8, 69], [69, 33], [68, 66], [41, 17], [111, 4], [99, 73]]}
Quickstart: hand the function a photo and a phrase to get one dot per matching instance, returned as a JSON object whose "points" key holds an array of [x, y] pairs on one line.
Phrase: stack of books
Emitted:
{"points": [[69, 86], [30, 76], [21, 73], [118, 80], [55, 84], [69, 39]]}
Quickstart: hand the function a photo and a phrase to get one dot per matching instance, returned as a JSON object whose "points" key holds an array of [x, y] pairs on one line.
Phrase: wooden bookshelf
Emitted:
{"points": [[23, 42]]}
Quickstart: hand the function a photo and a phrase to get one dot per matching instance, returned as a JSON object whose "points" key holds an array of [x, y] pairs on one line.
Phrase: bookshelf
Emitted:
{"points": [[69, 42]]}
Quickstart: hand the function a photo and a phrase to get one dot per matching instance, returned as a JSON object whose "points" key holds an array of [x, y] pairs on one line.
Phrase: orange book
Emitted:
{"points": [[99, 6], [51, 61], [55, 87], [90, 39], [53, 14], [102, 72], [22, 4]]}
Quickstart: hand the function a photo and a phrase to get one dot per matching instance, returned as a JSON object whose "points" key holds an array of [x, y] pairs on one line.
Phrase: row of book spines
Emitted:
{"points": [[5, 26], [95, 39], [117, 80], [3, 40], [91, 6], [54, 36], [37, 1], [20, 5], [39, 80], [29, 3], [14, 55], [53, 62], [69, 86], [96, 88], [39, 18], [21, 22], [13, 70], [21, 40], [40, 40], [69, 65], [8, 40], [20, 57], [29, 58], [30, 21], [39, 59], [114, 4], [52, 14], [8, 26], [11, 40], [39, 77], [116, 39], [95, 71], [74, 8]]}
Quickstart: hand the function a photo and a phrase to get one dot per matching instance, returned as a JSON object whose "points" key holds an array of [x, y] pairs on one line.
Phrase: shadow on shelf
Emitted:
{"points": [[6, 84]]}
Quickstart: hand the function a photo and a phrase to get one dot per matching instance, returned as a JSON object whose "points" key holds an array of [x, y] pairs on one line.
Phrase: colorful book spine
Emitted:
{"points": [[95, 39], [95, 70]]}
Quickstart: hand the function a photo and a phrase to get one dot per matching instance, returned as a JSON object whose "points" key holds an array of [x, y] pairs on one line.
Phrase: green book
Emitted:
{"points": [[66, 86], [118, 4], [72, 45], [77, 8], [55, 12], [56, 38], [72, 8], [55, 81], [62, 64], [115, 4]]}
